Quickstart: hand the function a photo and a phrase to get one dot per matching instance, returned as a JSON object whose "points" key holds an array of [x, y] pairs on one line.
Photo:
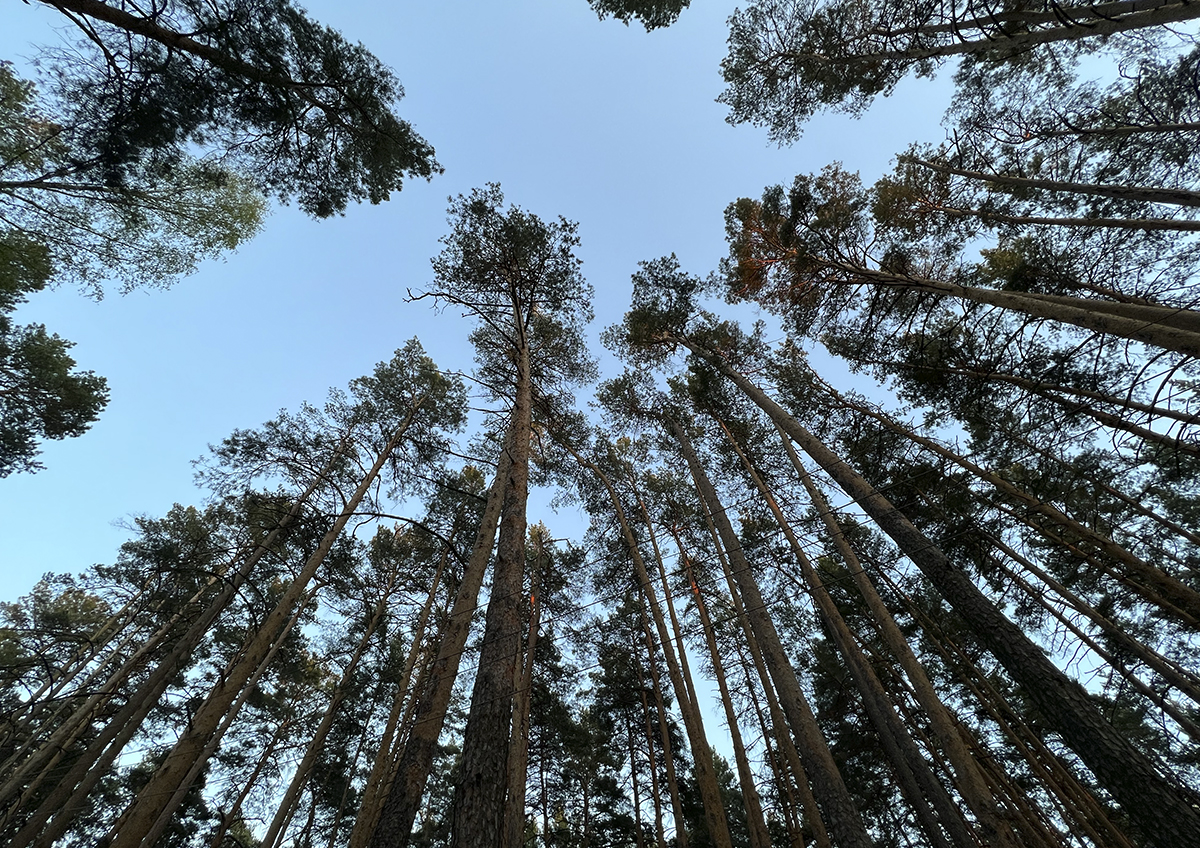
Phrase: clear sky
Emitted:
{"points": [[603, 124]]}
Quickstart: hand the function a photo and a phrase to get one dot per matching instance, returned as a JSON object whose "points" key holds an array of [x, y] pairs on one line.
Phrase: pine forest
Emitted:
{"points": [[882, 530]]}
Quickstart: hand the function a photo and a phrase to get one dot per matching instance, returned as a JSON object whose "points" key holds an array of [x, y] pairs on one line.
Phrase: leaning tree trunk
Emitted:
{"points": [[714, 810], [800, 784], [1161, 326], [660, 838], [921, 789], [837, 806], [1171, 595], [167, 788], [399, 810], [756, 824], [379, 780], [316, 744], [1163, 810], [969, 778], [664, 732], [101, 751]]}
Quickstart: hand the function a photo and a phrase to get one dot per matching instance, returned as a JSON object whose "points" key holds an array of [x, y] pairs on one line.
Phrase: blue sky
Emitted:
{"points": [[604, 124]]}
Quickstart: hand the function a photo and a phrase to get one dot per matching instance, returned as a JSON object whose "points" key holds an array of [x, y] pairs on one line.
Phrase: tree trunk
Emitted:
{"points": [[924, 793], [399, 811], [287, 804], [93, 763], [518, 749], [1161, 809], [162, 795], [1182, 602], [838, 808], [970, 780], [379, 781], [660, 838], [702, 760], [479, 801], [1162, 326], [756, 824], [1148, 194], [681, 837]]}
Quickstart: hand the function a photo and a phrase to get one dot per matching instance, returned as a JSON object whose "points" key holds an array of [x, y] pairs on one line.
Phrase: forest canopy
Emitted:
{"points": [[955, 604]]}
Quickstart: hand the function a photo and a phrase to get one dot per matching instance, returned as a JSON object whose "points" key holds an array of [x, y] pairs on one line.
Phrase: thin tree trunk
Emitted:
{"points": [[287, 804], [655, 790], [1144, 224], [210, 747], [102, 750], [1149, 194], [232, 812], [756, 824], [518, 748], [779, 721], [1172, 673], [1040, 387], [970, 780], [924, 793], [837, 806], [702, 761], [681, 836], [379, 781], [638, 831], [1165, 327], [161, 796], [783, 784]]}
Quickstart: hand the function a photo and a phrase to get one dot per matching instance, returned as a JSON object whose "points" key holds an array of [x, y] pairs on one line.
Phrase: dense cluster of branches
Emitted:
{"points": [[964, 617]]}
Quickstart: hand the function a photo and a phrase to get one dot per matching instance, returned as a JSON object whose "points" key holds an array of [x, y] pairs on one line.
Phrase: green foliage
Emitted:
{"points": [[150, 227], [789, 59], [519, 277], [652, 13], [42, 394], [258, 84]]}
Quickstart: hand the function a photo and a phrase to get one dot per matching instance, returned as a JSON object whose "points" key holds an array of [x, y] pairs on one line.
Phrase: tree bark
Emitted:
{"points": [[1165, 327], [921, 789], [664, 731], [316, 744], [379, 781], [518, 749], [165, 791], [756, 824], [399, 811], [714, 811], [479, 800], [837, 807], [1164, 811], [1150, 194], [970, 780]]}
